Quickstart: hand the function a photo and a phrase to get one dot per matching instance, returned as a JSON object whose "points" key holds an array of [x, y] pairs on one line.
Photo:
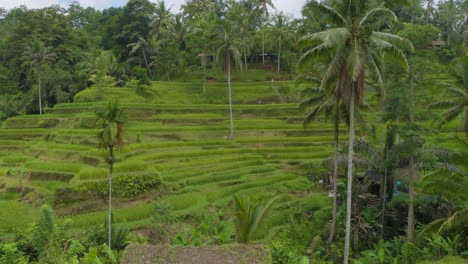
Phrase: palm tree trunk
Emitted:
{"points": [[147, 65], [39, 87], [263, 36], [204, 69], [411, 201], [245, 53], [228, 65], [335, 176], [412, 170], [350, 175], [279, 55], [111, 167]]}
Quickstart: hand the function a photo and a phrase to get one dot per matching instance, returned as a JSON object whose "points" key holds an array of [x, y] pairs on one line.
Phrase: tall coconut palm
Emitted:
{"points": [[356, 47], [162, 20], [324, 102], [457, 102], [36, 56], [281, 30], [110, 140], [144, 47], [244, 22], [228, 52], [263, 4]]}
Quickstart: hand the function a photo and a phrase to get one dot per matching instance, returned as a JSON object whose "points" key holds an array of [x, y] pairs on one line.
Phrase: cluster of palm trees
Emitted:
{"points": [[352, 50], [347, 54]]}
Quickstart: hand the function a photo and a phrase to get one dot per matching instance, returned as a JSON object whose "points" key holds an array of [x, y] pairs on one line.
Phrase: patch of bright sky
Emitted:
{"points": [[289, 7]]}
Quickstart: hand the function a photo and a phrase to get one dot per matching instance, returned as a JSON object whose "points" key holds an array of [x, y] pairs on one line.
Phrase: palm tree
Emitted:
{"points": [[227, 50], [35, 56], [160, 31], [355, 46], [110, 139], [458, 101], [281, 30], [179, 30], [144, 47], [244, 22], [324, 103], [249, 216], [264, 5], [162, 20]]}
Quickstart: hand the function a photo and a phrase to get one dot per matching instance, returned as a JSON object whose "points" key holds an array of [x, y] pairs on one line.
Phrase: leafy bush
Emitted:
{"points": [[119, 234], [9, 254], [127, 186], [163, 212]]}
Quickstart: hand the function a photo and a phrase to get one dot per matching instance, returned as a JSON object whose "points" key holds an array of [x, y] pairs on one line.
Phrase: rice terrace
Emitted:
{"points": [[234, 132]]}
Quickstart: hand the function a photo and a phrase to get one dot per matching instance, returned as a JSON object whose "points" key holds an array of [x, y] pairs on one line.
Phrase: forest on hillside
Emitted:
{"points": [[337, 137]]}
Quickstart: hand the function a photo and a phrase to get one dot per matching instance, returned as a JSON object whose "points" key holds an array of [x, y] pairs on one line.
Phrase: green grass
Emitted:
{"points": [[15, 158], [180, 133], [16, 215], [52, 166], [90, 173], [446, 260], [133, 213]]}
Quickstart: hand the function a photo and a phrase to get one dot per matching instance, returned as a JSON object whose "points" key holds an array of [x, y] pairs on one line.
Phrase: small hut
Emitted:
{"points": [[438, 44], [375, 178]]}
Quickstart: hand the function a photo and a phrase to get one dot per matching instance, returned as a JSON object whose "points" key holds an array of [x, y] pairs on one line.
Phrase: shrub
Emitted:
{"points": [[10, 254], [127, 186], [163, 212]]}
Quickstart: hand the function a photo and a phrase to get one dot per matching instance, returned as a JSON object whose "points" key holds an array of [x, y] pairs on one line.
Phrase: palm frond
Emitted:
{"points": [[385, 12], [457, 221], [328, 14]]}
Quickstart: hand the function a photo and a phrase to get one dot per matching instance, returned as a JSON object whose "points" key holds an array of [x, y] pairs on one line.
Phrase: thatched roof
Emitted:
{"points": [[231, 254], [373, 176], [438, 43]]}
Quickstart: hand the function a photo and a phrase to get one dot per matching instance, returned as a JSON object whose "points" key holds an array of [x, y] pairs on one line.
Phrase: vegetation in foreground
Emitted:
{"points": [[216, 150]]}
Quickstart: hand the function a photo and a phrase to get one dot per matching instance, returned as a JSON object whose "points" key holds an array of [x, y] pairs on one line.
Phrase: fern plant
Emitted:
{"points": [[249, 216]]}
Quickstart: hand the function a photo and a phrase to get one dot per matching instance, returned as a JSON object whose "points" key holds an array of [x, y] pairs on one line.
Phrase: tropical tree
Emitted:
{"points": [[110, 140], [228, 49], [452, 186], [204, 28], [144, 47], [410, 156], [281, 30], [160, 32], [249, 216], [356, 47], [162, 20], [324, 102], [36, 56], [457, 101], [243, 17], [263, 4]]}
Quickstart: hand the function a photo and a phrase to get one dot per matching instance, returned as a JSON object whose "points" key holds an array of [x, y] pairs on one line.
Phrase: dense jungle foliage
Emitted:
{"points": [[337, 137]]}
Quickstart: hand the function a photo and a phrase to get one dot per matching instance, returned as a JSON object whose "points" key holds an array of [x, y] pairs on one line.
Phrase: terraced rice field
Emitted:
{"points": [[179, 134]]}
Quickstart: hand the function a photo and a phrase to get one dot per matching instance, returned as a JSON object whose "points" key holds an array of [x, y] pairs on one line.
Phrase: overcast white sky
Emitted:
{"points": [[289, 7]]}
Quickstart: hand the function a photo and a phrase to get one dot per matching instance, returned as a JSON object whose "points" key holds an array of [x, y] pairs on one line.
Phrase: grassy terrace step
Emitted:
{"points": [[177, 106], [234, 178], [44, 131], [316, 140], [39, 175], [201, 175], [194, 172], [197, 153], [48, 122], [53, 167], [202, 161], [280, 183]]}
